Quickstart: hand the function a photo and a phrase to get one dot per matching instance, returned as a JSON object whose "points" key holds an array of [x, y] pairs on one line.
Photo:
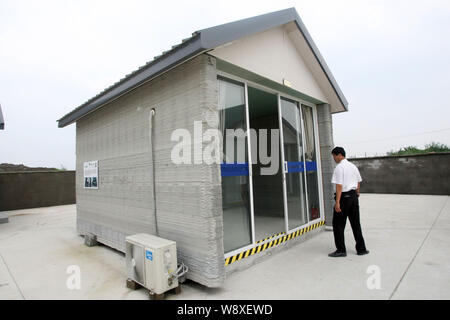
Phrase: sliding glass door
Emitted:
{"points": [[272, 189], [294, 164], [268, 197], [311, 163], [235, 175]]}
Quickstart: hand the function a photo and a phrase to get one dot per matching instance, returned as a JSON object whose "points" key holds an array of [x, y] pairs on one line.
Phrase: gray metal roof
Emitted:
{"points": [[201, 41], [2, 121]]}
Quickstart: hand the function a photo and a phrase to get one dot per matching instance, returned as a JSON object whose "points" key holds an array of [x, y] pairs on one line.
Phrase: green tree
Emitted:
{"points": [[436, 147], [429, 148]]}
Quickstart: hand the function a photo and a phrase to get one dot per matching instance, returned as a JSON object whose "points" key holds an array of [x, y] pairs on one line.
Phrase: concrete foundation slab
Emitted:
{"points": [[408, 238], [4, 218]]}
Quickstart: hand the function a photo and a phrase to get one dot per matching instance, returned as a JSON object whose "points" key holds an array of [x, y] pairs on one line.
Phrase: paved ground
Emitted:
{"points": [[408, 237]]}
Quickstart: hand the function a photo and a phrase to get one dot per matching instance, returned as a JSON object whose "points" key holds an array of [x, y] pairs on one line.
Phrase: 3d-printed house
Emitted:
{"points": [[263, 73]]}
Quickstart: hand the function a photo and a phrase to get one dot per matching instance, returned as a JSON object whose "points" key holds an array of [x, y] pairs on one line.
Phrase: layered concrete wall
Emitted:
{"points": [[22, 190], [418, 174], [188, 207], [325, 123]]}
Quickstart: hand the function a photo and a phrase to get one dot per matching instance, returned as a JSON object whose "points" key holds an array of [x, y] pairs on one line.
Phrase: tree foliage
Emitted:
{"points": [[429, 148]]}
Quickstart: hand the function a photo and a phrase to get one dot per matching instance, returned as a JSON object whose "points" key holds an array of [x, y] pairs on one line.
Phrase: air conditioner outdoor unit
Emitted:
{"points": [[152, 263]]}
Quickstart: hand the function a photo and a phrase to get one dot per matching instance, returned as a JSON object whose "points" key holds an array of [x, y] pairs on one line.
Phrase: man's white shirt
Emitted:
{"points": [[347, 175]]}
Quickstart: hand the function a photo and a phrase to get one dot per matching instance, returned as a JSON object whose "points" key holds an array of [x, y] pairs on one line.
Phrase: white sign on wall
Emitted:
{"points": [[91, 175]]}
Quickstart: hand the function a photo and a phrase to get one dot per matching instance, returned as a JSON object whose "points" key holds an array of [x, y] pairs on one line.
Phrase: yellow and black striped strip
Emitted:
{"points": [[272, 236], [270, 244]]}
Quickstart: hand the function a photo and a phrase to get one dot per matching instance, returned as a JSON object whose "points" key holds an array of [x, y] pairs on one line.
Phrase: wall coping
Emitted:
{"points": [[402, 156], [15, 172]]}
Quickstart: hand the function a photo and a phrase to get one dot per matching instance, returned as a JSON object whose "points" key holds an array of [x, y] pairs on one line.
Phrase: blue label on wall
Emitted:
{"points": [[149, 255]]}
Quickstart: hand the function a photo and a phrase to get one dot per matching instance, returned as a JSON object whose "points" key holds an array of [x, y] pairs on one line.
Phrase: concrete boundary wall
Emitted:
{"points": [[22, 190], [416, 174]]}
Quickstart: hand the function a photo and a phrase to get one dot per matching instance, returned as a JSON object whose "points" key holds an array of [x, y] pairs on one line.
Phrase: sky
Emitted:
{"points": [[390, 58]]}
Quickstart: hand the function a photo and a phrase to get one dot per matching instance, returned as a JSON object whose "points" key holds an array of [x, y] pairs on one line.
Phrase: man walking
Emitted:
{"points": [[347, 179]]}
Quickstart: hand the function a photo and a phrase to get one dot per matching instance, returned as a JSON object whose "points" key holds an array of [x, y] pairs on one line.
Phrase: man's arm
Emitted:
{"points": [[359, 181], [338, 180], [337, 206]]}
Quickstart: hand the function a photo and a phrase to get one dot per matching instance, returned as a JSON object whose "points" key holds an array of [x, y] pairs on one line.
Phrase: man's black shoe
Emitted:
{"points": [[362, 253], [337, 254]]}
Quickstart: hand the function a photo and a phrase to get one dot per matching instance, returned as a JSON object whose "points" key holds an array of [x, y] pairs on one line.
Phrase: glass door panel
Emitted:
{"points": [[268, 199], [234, 169], [293, 164], [311, 163]]}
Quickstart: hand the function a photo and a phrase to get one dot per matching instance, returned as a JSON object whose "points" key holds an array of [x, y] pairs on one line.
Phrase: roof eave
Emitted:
{"points": [[228, 32], [222, 34], [202, 41], [321, 61], [154, 69]]}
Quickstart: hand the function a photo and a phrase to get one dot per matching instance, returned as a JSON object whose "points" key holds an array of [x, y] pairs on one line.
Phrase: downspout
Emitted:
{"points": [[152, 115], [182, 269]]}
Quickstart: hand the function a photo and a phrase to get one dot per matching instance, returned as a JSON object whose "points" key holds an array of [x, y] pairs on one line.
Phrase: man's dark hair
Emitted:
{"points": [[338, 150]]}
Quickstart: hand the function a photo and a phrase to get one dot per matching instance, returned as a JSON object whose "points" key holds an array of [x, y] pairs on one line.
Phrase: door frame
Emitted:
{"points": [[288, 231]]}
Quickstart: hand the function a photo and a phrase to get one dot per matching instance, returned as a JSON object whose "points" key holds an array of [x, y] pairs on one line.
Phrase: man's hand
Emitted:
{"points": [[357, 192], [337, 207]]}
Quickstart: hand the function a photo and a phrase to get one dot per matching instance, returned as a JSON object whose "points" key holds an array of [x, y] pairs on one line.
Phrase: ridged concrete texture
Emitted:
{"points": [[325, 123]]}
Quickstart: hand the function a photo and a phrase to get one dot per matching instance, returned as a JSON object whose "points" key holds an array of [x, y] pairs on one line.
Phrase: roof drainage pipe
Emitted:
{"points": [[152, 134], [182, 269]]}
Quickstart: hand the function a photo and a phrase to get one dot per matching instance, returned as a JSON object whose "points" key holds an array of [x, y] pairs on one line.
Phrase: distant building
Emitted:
{"points": [[263, 74]]}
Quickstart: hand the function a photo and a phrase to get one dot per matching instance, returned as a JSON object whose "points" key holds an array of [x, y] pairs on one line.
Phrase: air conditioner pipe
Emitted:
{"points": [[176, 275]]}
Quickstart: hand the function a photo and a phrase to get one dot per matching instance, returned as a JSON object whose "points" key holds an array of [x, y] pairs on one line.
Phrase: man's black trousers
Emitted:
{"points": [[349, 208]]}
